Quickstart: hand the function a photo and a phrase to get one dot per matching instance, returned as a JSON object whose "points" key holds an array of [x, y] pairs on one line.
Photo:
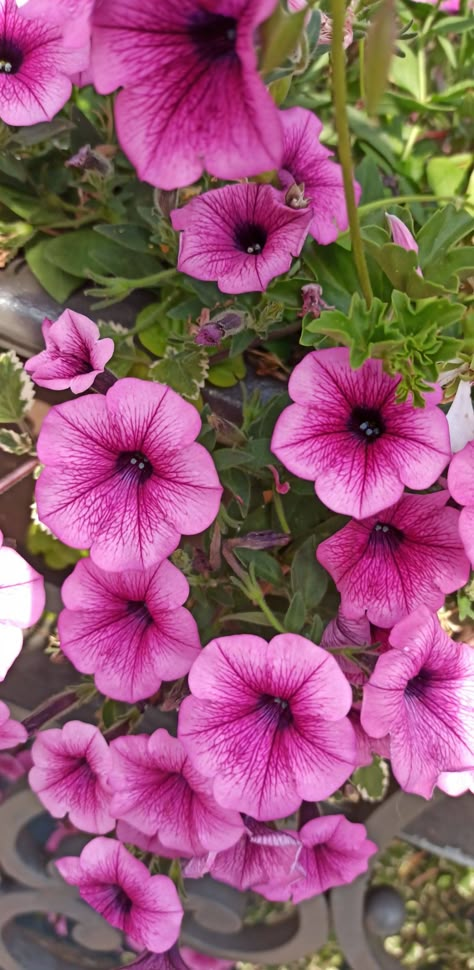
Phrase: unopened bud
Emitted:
{"points": [[90, 160], [222, 325], [165, 201]]}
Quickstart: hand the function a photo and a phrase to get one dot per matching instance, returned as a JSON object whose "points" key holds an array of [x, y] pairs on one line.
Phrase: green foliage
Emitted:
{"points": [[185, 371], [41, 542], [372, 780], [14, 443], [16, 389]]}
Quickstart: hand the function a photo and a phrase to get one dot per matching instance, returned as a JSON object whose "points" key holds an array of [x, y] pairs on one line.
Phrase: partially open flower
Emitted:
{"points": [[75, 354]]}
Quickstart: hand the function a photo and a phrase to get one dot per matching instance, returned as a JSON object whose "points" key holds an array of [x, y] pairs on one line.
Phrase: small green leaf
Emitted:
{"points": [[14, 443], [372, 780], [185, 371], [307, 576], [16, 389], [295, 614], [379, 49], [279, 88], [238, 483], [280, 35], [443, 230], [266, 566], [28, 207], [447, 173], [227, 372], [56, 555], [400, 266], [55, 281], [230, 458], [254, 617], [84, 250], [135, 238]]}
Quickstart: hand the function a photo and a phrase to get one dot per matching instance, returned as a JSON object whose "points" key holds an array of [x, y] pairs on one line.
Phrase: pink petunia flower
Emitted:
{"points": [[11, 732], [173, 960], [402, 236], [147, 843], [249, 236], [74, 354], [347, 432], [422, 694], [342, 632], [306, 161], [145, 635], [124, 475], [69, 775], [72, 16], [263, 857], [22, 599], [334, 851], [460, 417], [120, 888], [461, 487], [35, 68], [201, 961], [456, 783], [192, 97], [393, 562], [157, 790], [267, 722]]}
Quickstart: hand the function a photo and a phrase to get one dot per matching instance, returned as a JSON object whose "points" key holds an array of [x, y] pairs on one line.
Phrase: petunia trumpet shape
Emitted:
{"points": [[157, 790], [307, 162], [267, 722], [192, 97], [35, 68], [145, 635], [461, 487], [348, 434], [74, 354], [241, 236], [124, 476], [11, 732], [22, 599], [72, 16], [402, 236], [390, 564], [422, 694], [120, 888], [333, 852], [69, 775]]}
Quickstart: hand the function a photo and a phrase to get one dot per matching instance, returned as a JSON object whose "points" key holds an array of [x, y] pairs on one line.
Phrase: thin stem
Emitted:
{"points": [[17, 475], [258, 598], [338, 9], [280, 511], [396, 199]]}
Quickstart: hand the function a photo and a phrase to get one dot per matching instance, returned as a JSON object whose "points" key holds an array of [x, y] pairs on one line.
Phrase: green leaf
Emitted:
{"points": [[55, 281], [240, 486], [84, 250], [334, 270], [258, 619], [14, 443], [315, 631], [379, 49], [227, 372], [185, 371], [16, 389], [135, 238], [370, 181], [56, 555], [365, 331], [307, 575], [400, 266], [279, 36], [447, 173], [230, 458], [295, 614], [372, 781], [266, 567], [28, 207], [442, 231], [405, 71], [42, 132]]}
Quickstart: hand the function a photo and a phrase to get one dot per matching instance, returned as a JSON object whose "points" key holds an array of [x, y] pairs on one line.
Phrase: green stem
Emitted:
{"points": [[258, 598], [396, 199], [280, 512], [338, 9], [165, 274]]}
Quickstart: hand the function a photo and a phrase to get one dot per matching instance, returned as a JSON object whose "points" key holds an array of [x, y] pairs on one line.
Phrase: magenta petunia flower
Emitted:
{"points": [[306, 161], [461, 487], [74, 354], [263, 857], [460, 417], [69, 775], [11, 732], [124, 475], [144, 636], [393, 562], [35, 68], [267, 722], [422, 694], [72, 16], [241, 236], [147, 843], [171, 960], [347, 432], [120, 888], [192, 97], [334, 851], [22, 599], [456, 783], [342, 632], [157, 790], [201, 961]]}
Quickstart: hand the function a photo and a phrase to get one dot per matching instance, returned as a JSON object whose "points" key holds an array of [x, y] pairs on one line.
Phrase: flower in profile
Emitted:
{"points": [[249, 236], [145, 635], [391, 563], [262, 857], [402, 236], [307, 162], [422, 694], [267, 722], [11, 732], [460, 417], [74, 354], [124, 475], [348, 434], [334, 851], [72, 16], [35, 68], [158, 791], [461, 487], [192, 97], [120, 888], [22, 600], [69, 775]]}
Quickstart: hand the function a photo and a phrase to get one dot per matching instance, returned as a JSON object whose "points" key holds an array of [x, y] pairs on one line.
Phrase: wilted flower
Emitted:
{"points": [[22, 600], [313, 302], [221, 326], [87, 159], [11, 731], [461, 487], [75, 354]]}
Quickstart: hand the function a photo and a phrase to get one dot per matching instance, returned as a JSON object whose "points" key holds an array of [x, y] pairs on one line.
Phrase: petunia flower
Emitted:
{"points": [[307, 162], [22, 599], [334, 851], [460, 417], [343, 632], [157, 790], [35, 68], [171, 960], [124, 476], [241, 236], [69, 775], [456, 783], [11, 732], [402, 236], [391, 563], [120, 888], [422, 694], [202, 961], [144, 636], [74, 354], [348, 434], [72, 16], [461, 487], [192, 97], [267, 722], [130, 835]]}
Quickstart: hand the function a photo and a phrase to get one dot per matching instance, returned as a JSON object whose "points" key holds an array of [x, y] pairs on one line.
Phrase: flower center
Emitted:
{"points": [[250, 238], [134, 466], [140, 611], [213, 35], [119, 900], [11, 58], [387, 535], [417, 686], [366, 424], [277, 710]]}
